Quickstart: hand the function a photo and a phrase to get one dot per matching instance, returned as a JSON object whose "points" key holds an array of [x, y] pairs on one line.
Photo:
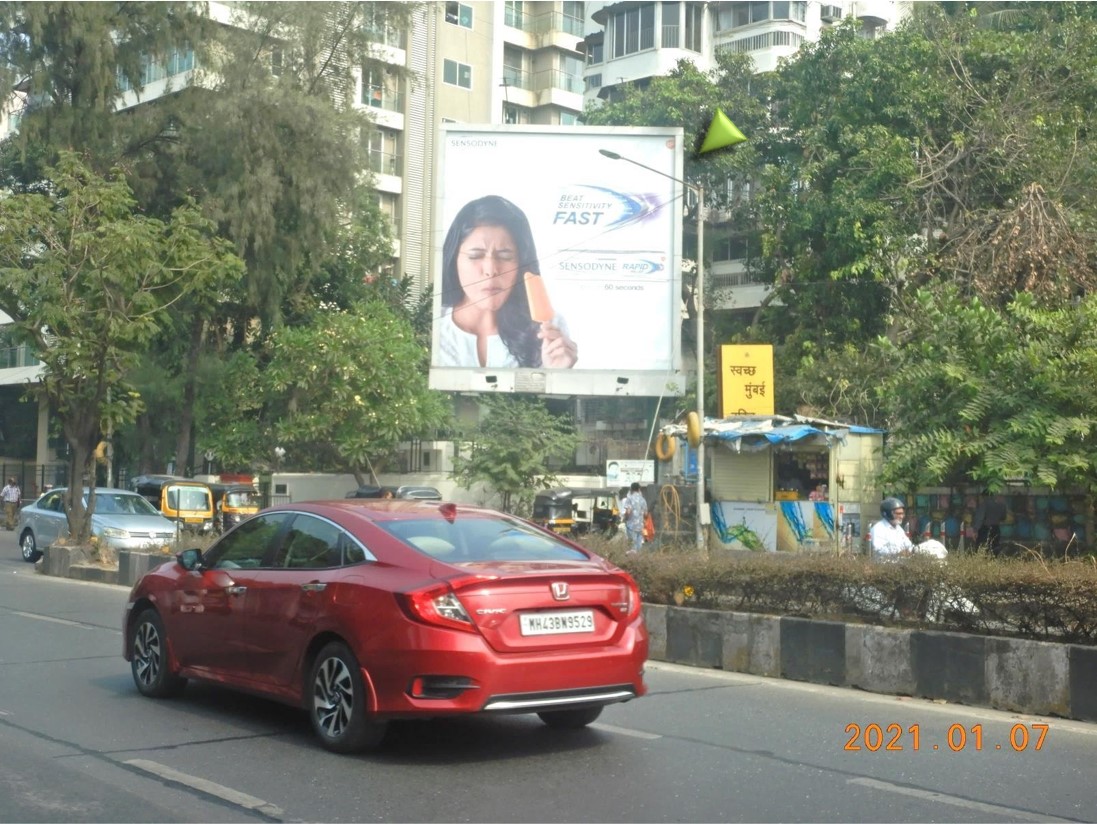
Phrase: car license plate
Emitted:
{"points": [[192, 520], [557, 623]]}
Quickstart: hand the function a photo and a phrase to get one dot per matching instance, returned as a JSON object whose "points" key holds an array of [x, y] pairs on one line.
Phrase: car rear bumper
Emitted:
{"points": [[561, 700], [506, 682]]}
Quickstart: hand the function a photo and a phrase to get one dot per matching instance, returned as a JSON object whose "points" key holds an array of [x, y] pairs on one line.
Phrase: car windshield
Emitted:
{"points": [[471, 538], [113, 504]]}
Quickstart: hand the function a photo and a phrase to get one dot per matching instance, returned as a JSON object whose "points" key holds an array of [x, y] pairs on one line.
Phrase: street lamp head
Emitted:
{"points": [[609, 154]]}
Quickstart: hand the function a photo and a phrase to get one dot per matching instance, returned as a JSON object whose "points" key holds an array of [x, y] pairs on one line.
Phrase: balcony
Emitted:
{"points": [[516, 78], [379, 98], [388, 37], [556, 21], [385, 163], [556, 79]]}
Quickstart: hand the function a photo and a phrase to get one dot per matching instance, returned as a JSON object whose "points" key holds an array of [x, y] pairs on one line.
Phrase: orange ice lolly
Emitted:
{"points": [[540, 307]]}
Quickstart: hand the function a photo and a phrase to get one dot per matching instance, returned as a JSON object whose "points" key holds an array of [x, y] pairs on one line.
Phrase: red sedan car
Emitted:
{"points": [[361, 611]]}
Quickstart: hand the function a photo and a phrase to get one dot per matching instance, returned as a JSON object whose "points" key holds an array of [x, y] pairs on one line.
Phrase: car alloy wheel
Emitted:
{"points": [[570, 719], [337, 702], [29, 547], [149, 660]]}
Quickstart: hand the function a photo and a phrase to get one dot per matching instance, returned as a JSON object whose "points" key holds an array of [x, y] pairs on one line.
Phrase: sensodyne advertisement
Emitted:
{"points": [[557, 261]]}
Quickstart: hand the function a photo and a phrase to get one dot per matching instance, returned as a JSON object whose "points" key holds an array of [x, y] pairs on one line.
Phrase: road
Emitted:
{"points": [[79, 744]]}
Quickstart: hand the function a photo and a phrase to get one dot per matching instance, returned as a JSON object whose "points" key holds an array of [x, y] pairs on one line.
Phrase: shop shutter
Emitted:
{"points": [[747, 476]]}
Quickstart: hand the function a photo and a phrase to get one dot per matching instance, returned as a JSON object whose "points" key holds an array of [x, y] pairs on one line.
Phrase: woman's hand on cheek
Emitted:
{"points": [[558, 351]]}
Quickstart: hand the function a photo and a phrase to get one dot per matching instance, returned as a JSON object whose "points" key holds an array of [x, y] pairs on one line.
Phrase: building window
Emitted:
{"points": [[459, 15], [514, 115], [512, 14], [383, 152], [634, 30], [457, 74], [734, 15], [573, 17], [389, 205], [594, 81], [569, 119], [514, 73], [695, 18], [672, 25]]}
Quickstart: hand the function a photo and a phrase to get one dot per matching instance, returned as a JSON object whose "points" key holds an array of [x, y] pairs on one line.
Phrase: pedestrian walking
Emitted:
{"points": [[11, 496], [636, 508]]}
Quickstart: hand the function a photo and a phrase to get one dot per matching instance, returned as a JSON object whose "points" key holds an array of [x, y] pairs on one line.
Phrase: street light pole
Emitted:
{"points": [[698, 190]]}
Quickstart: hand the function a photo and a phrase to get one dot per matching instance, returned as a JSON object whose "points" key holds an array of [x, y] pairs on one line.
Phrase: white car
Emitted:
{"points": [[122, 520]]}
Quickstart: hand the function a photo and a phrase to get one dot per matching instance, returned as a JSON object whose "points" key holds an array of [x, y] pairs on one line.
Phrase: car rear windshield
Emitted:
{"points": [[477, 538]]}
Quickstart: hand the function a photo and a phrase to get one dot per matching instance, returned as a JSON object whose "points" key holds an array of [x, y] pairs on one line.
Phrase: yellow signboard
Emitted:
{"points": [[746, 379]]}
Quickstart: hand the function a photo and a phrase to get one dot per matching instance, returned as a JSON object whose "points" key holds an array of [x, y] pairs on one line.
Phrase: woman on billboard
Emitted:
{"points": [[495, 309]]}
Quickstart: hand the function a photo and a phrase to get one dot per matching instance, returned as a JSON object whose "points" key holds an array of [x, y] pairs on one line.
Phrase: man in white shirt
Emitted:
{"points": [[889, 539], [12, 497]]}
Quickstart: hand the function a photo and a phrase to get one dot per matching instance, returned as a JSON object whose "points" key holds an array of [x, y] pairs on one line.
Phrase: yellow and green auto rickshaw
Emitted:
{"points": [[233, 503], [188, 503], [577, 511]]}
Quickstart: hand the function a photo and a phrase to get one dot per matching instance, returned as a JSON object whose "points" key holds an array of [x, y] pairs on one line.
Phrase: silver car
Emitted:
{"points": [[122, 520]]}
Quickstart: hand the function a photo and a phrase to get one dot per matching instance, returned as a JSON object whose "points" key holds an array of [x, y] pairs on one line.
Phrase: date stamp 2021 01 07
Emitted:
{"points": [[896, 738]]}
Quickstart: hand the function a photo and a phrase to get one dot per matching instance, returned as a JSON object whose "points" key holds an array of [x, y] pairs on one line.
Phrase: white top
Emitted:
{"points": [[889, 539], [456, 347]]}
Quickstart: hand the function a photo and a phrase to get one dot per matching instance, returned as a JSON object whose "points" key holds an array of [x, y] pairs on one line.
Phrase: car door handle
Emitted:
{"points": [[315, 586], [237, 590]]}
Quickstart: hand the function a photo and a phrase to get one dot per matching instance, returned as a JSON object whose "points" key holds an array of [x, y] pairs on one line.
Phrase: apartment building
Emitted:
{"points": [[631, 42], [479, 62]]}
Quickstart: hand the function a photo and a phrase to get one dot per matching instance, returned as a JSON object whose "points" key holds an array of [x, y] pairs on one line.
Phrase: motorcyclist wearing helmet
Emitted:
{"points": [[889, 539]]}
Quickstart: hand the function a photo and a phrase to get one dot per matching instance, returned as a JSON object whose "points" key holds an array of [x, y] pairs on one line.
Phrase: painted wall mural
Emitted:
{"points": [[785, 526]]}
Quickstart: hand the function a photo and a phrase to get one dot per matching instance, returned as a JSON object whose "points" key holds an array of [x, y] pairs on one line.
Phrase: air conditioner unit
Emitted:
{"points": [[830, 13]]}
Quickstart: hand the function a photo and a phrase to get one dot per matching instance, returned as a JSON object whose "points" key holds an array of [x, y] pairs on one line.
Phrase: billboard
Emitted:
{"points": [[557, 268]]}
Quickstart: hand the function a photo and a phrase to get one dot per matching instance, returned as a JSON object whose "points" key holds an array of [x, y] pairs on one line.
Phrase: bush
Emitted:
{"points": [[1027, 596]]}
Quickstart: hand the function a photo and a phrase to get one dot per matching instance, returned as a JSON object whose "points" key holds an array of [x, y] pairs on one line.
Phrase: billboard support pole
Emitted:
{"points": [[698, 189]]}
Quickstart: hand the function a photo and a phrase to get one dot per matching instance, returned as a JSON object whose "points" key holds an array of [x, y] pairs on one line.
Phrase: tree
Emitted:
{"points": [[688, 97], [513, 448], [991, 396], [67, 60], [346, 390], [88, 281], [262, 132]]}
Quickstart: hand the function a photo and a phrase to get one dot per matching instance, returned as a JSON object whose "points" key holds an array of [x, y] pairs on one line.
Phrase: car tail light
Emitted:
{"points": [[439, 605], [630, 604]]}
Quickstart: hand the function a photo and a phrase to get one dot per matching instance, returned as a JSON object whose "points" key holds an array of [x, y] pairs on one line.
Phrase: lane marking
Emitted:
{"points": [[239, 799], [647, 736], [994, 811], [52, 620]]}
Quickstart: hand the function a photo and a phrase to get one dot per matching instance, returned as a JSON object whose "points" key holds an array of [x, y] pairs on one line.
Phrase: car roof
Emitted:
{"points": [[388, 509]]}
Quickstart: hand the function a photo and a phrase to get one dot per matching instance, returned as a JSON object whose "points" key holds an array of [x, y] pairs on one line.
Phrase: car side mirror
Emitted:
{"points": [[190, 559]]}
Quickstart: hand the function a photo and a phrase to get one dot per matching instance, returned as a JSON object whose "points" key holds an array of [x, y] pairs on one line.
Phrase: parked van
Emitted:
{"points": [[186, 502], [233, 503]]}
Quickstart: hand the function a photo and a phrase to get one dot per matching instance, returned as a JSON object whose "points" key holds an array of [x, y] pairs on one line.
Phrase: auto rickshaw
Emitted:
{"points": [[577, 510], [188, 503], [232, 504]]}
